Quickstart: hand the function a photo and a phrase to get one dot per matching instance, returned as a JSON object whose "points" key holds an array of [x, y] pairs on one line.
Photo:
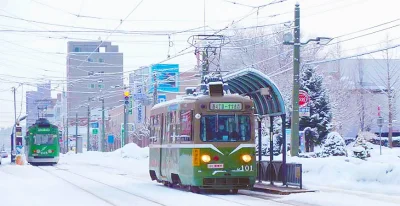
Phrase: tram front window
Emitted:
{"points": [[43, 139], [225, 128]]}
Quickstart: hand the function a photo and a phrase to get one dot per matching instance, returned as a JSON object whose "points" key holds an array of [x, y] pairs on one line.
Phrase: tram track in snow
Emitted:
{"points": [[93, 193], [246, 193]]}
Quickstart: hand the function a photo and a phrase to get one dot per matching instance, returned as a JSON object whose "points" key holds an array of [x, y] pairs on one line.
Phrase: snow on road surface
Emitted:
{"points": [[122, 178]]}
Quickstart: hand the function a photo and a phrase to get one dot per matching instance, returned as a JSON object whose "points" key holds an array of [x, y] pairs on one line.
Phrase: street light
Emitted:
{"points": [[288, 40]]}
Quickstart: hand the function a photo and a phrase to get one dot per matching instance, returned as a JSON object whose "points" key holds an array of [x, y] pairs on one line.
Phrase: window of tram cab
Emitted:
{"points": [[225, 128]]}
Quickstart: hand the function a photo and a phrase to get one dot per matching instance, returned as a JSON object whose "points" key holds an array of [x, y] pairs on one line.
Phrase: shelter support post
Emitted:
{"points": [[259, 148], [271, 144], [284, 149]]}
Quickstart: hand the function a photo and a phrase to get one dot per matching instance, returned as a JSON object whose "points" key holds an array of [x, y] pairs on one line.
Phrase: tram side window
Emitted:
{"points": [[186, 126], [43, 139], [225, 128], [157, 128], [152, 130]]}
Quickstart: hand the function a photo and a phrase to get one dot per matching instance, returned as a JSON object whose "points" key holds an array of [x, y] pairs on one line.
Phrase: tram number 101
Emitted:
{"points": [[245, 168]]}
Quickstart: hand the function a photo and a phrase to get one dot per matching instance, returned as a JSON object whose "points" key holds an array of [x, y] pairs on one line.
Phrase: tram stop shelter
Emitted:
{"points": [[268, 103]]}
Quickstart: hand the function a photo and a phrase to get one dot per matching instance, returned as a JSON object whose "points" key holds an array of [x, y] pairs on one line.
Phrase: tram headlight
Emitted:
{"points": [[37, 151], [50, 151], [246, 158], [206, 158]]}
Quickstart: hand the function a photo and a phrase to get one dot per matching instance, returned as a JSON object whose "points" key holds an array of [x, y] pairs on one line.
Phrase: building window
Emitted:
{"points": [[101, 60], [90, 60], [77, 49], [101, 86], [90, 73], [92, 86]]}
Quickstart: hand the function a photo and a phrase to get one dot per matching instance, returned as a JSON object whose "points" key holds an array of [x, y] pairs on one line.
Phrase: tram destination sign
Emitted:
{"points": [[225, 106]]}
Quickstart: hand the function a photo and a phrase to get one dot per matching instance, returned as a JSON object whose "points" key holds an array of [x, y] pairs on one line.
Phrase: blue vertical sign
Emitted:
{"points": [[139, 114], [110, 139]]}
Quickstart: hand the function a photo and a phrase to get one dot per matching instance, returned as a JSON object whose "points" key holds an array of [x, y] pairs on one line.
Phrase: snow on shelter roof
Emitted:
{"points": [[248, 82]]}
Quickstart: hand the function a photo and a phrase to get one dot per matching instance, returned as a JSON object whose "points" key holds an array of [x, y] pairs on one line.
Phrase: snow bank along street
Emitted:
{"points": [[121, 178]]}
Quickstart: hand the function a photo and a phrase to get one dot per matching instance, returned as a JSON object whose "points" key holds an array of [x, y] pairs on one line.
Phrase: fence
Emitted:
{"points": [[273, 172]]}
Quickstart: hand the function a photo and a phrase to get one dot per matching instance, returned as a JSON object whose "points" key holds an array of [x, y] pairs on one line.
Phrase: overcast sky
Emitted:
{"points": [[34, 57]]}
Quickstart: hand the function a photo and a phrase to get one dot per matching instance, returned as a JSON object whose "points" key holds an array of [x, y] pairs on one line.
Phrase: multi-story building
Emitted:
{"points": [[37, 102], [94, 71], [365, 82]]}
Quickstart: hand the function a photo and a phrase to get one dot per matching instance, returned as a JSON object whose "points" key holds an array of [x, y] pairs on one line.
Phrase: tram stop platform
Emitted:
{"points": [[279, 189]]}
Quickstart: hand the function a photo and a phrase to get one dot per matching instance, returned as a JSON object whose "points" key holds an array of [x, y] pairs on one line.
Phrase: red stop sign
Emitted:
{"points": [[303, 98]]}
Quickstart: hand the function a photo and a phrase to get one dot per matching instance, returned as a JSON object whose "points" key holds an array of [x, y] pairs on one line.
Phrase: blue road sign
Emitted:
{"points": [[94, 124], [139, 96], [110, 139]]}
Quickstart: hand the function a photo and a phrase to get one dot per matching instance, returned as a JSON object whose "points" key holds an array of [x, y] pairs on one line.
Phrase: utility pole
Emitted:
{"points": [[294, 143], [14, 128], [67, 134], [103, 132], [88, 127], [76, 133], [155, 92], [126, 104]]}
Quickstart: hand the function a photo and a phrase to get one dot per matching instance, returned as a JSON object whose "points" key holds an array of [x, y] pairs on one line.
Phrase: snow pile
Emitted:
{"points": [[130, 159], [131, 150], [377, 173]]}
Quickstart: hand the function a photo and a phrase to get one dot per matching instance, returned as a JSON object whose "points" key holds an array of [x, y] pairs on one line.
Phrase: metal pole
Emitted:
{"points": [[125, 123], [259, 149], [88, 128], [380, 140], [271, 144], [76, 133], [67, 134], [294, 151], [155, 94], [14, 128], [284, 149], [103, 132]]}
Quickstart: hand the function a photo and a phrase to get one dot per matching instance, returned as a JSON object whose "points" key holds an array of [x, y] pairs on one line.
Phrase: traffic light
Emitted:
{"points": [[126, 97]]}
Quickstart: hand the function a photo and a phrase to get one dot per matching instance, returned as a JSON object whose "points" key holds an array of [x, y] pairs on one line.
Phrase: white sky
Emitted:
{"points": [[34, 55]]}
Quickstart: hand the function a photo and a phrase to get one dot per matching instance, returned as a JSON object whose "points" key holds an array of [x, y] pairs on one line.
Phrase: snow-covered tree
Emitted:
{"points": [[334, 145], [361, 148], [320, 114]]}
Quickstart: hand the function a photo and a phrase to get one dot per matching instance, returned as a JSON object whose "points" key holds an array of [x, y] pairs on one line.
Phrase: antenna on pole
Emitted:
{"points": [[204, 17]]}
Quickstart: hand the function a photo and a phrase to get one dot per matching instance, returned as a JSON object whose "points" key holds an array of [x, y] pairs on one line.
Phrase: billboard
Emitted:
{"points": [[167, 77]]}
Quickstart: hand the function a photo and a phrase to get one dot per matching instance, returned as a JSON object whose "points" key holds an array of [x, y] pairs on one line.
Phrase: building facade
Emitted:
{"points": [[37, 102], [363, 86], [94, 71]]}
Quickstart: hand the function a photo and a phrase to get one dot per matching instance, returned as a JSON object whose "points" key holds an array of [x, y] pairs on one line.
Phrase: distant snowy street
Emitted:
{"points": [[121, 178]]}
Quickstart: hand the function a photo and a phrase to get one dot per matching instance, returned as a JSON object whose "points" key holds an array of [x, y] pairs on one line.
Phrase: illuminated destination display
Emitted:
{"points": [[225, 106], [43, 129]]}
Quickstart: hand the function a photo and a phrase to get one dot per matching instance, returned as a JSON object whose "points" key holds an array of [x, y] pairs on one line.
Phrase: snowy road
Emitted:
{"points": [[121, 178], [156, 192]]}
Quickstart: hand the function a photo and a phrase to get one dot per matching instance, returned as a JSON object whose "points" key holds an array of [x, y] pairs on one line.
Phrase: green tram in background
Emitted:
{"points": [[42, 143], [204, 142]]}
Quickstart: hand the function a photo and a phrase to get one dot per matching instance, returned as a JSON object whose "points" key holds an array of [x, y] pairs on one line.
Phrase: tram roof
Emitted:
{"points": [[248, 82]]}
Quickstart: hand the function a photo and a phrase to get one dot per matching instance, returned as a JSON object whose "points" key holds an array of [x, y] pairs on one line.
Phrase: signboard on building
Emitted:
{"points": [[161, 98], [167, 77]]}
